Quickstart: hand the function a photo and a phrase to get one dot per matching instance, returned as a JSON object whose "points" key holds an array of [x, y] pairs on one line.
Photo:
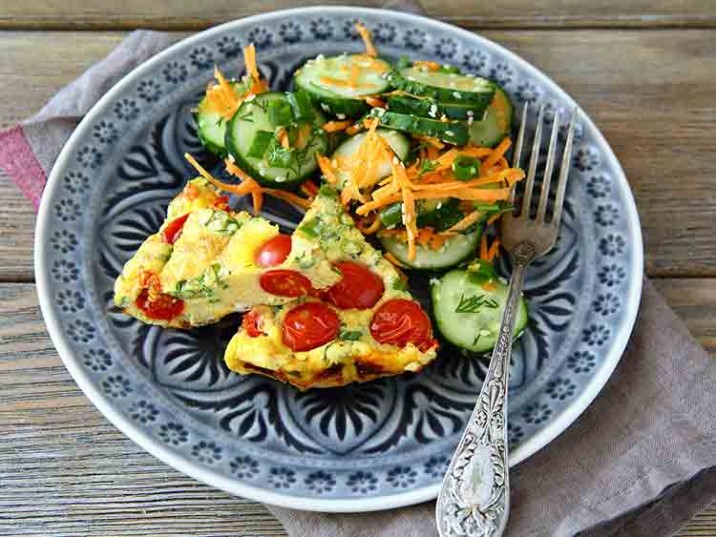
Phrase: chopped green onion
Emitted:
{"points": [[261, 143], [303, 110], [280, 113], [465, 167], [392, 215]]}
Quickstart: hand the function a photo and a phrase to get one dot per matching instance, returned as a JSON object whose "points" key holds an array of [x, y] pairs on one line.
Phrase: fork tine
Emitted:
{"points": [[529, 186], [564, 172], [549, 167], [517, 153]]}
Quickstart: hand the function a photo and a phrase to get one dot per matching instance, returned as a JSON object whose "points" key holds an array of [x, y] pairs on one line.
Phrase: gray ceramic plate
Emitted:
{"points": [[374, 446]]}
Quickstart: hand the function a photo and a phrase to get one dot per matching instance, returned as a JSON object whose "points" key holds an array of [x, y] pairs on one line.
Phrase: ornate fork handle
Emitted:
{"points": [[475, 496]]}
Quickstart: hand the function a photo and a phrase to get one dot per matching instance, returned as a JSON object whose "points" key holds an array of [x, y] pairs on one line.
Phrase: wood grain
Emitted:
{"points": [[659, 118], [187, 15], [67, 471]]}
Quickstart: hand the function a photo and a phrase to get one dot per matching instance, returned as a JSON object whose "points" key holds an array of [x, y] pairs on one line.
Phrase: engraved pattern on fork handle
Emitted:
{"points": [[475, 495]]}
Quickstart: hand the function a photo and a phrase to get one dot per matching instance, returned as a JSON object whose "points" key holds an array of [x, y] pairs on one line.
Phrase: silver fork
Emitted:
{"points": [[474, 499]]}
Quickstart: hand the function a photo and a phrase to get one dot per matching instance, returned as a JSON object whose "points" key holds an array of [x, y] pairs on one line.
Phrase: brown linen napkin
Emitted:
{"points": [[639, 461]]}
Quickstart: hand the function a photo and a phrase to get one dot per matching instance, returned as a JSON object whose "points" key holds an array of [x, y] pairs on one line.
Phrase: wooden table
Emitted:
{"points": [[644, 71]]}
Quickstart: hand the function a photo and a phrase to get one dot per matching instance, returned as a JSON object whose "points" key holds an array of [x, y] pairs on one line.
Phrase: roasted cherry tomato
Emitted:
{"points": [[310, 325], [173, 230], [359, 288], [251, 323], [159, 306], [287, 283], [274, 251], [399, 322]]}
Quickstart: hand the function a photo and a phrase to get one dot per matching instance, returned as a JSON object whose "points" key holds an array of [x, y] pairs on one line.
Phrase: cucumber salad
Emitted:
{"points": [[416, 150]]}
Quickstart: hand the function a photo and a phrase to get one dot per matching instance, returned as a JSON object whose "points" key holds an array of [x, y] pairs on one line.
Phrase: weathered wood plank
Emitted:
{"points": [[658, 117], [66, 471], [185, 15]]}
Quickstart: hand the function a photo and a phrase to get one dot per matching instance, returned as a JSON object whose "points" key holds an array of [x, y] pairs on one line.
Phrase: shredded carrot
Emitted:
{"points": [[374, 102], [354, 129], [466, 222], [354, 75], [393, 261], [337, 126], [430, 66], [257, 199], [250, 61], [368, 227], [367, 39], [434, 142], [473, 194], [478, 152], [494, 250], [409, 216], [282, 136], [324, 164], [331, 81], [483, 247], [494, 218], [498, 152]]}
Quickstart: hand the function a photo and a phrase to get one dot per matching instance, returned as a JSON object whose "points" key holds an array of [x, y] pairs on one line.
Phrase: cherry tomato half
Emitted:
{"points": [[360, 288], [173, 230], [251, 323], [287, 283], [310, 325], [274, 251], [399, 322], [159, 306]]}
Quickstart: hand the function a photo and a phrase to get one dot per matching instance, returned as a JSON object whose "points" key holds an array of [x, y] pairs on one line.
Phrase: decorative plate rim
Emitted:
{"points": [[216, 479]]}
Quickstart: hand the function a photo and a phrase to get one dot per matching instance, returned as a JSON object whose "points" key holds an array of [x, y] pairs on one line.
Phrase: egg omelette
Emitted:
{"points": [[365, 326], [202, 263]]}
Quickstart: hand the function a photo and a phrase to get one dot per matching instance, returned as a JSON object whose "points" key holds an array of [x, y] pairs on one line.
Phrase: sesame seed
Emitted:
{"points": [[450, 133], [341, 116]]}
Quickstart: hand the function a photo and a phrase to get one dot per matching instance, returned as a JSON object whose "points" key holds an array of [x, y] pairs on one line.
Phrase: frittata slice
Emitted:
{"points": [[202, 264], [365, 326]]}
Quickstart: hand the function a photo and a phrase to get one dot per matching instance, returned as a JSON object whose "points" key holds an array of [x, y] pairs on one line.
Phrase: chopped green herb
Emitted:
{"points": [[472, 304], [350, 335], [312, 228], [427, 165]]}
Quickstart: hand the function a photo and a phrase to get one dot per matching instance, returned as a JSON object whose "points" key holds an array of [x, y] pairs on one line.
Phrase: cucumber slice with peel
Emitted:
{"points": [[443, 86], [252, 119], [457, 249], [338, 84], [468, 309], [452, 132]]}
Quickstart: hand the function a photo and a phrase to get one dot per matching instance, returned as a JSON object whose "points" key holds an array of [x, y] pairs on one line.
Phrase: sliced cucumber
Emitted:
{"points": [[452, 132], [468, 310], [252, 119], [338, 83], [456, 249], [443, 86], [425, 107], [496, 123], [398, 142], [211, 125]]}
